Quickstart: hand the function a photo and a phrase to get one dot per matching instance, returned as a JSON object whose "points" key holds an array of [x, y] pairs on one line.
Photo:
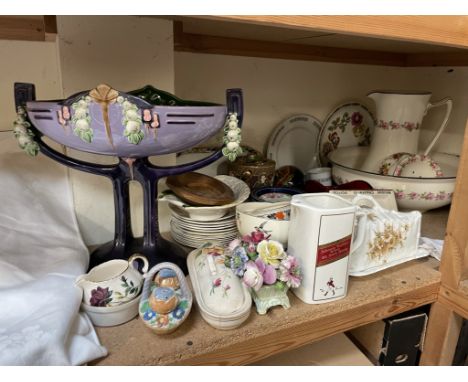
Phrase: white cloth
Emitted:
{"points": [[41, 253], [432, 246]]}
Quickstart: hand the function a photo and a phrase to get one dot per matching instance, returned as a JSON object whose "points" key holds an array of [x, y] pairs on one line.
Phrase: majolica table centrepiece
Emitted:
{"points": [[131, 126]]}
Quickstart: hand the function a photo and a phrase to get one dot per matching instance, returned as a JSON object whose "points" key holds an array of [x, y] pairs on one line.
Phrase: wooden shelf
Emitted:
{"points": [[455, 299], [29, 28], [371, 298], [376, 40]]}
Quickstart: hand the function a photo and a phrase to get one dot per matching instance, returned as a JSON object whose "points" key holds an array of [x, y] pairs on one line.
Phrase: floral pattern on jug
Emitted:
{"points": [[391, 125], [100, 297]]}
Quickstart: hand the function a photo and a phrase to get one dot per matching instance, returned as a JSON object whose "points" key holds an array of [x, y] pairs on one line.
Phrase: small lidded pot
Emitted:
{"points": [[253, 168]]}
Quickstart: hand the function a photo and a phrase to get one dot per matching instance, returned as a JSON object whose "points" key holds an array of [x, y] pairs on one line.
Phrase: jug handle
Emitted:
{"points": [[447, 102], [358, 240], [132, 258]]}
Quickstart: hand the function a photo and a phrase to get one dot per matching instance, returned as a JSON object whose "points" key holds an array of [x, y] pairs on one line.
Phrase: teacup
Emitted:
{"points": [[112, 283], [320, 174]]}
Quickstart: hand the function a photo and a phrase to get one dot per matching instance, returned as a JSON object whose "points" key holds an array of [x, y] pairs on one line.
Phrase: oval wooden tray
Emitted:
{"points": [[200, 190]]}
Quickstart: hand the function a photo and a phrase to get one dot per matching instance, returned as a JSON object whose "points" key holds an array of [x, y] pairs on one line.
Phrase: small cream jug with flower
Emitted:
{"points": [[399, 117], [389, 237], [112, 283]]}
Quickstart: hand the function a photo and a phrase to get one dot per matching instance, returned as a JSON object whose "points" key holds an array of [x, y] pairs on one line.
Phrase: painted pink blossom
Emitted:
{"points": [[413, 195], [400, 195], [356, 118]]}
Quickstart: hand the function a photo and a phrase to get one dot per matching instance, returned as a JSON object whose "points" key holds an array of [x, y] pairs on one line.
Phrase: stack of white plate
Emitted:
{"points": [[194, 233]]}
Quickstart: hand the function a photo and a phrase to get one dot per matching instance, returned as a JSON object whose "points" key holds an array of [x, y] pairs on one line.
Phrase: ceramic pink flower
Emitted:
{"points": [[252, 276], [233, 244], [289, 272], [257, 236], [268, 272]]}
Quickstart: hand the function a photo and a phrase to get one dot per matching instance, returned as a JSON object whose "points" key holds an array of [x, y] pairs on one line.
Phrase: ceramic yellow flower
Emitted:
{"points": [[271, 252]]}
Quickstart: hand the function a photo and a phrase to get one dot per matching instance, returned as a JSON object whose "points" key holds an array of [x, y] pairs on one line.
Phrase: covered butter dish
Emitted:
{"points": [[223, 300]]}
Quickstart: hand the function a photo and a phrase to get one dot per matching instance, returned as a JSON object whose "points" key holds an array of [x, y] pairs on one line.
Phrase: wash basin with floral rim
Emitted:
{"points": [[411, 193]]}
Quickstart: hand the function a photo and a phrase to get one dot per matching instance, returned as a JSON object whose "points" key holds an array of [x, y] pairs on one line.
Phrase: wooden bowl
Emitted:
{"points": [[200, 190]]}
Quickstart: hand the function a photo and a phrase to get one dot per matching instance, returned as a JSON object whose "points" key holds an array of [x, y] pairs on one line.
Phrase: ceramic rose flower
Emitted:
{"points": [[20, 129], [252, 276], [268, 272], [81, 113], [23, 140], [132, 115], [271, 252], [127, 105], [132, 126], [82, 104], [231, 146], [82, 124]]}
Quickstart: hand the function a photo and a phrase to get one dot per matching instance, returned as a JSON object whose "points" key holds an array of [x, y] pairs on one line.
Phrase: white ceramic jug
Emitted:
{"points": [[399, 117], [321, 237], [112, 283]]}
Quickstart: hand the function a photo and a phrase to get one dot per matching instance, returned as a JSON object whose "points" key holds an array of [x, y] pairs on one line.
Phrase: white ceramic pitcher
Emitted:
{"points": [[321, 237], [399, 117]]}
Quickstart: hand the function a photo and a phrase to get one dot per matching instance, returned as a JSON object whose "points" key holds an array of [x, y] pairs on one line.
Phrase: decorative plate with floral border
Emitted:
{"points": [[350, 124]]}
